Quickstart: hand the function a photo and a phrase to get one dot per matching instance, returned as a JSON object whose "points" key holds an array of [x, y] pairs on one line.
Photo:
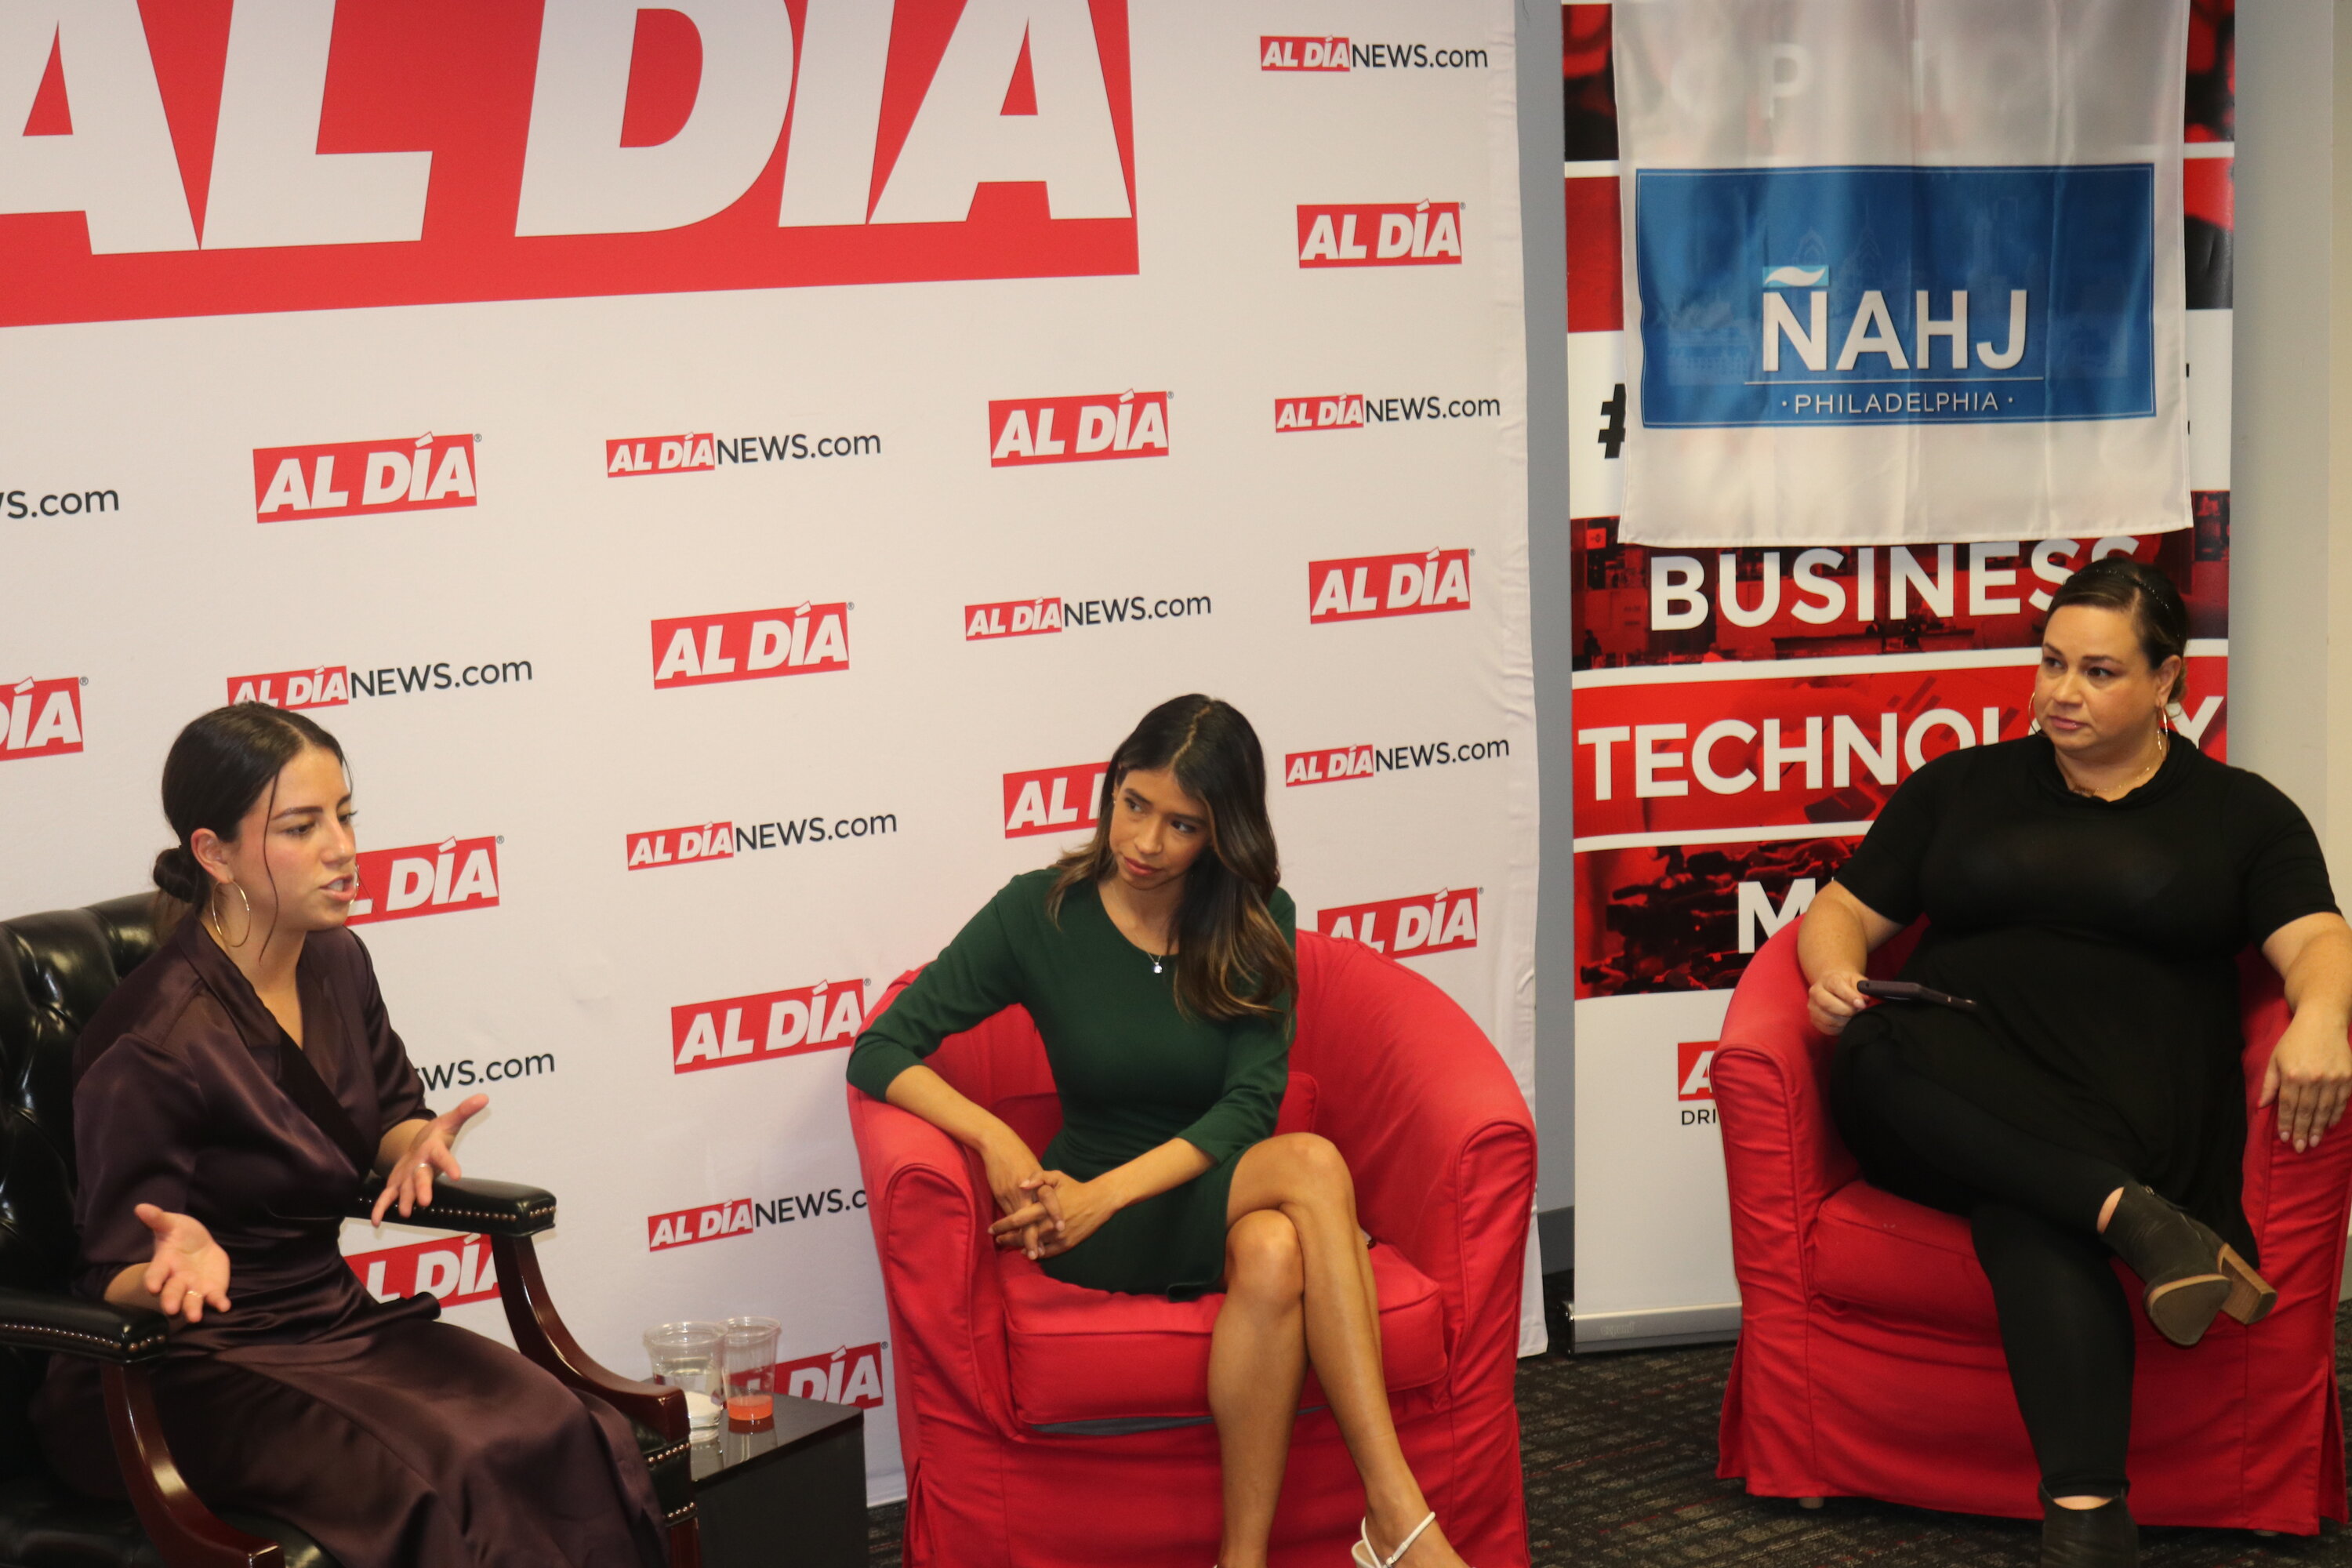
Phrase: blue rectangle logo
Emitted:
{"points": [[1872, 295]]}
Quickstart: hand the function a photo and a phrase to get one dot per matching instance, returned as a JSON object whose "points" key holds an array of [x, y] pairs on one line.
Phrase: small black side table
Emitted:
{"points": [[795, 1493]]}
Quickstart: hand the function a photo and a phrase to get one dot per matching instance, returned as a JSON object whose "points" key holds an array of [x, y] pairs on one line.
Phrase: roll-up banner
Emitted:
{"points": [[728, 473], [1881, 321]]}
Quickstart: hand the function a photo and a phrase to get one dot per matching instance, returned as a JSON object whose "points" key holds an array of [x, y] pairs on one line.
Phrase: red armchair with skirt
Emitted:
{"points": [[1045, 1424], [1870, 1361]]}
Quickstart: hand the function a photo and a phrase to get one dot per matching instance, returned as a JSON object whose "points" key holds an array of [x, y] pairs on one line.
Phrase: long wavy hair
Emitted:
{"points": [[1231, 960]]}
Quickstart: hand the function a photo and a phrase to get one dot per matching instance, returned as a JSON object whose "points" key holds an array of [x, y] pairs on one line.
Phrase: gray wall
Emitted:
{"points": [[1551, 586], [2291, 448], [2281, 414]]}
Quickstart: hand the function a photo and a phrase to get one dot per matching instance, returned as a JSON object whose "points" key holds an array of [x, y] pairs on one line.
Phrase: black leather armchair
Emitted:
{"points": [[55, 970]]}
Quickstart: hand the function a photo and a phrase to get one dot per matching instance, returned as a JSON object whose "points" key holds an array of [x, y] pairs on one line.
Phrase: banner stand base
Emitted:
{"points": [[1657, 1328]]}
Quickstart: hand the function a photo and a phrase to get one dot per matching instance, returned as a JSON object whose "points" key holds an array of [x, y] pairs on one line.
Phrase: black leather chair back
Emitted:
{"points": [[55, 970]]}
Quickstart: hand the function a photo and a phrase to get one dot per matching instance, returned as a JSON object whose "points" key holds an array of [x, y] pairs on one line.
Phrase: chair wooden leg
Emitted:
{"points": [[186, 1533], [539, 1334]]}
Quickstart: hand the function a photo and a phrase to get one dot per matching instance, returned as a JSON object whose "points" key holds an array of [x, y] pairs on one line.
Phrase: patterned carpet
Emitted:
{"points": [[1619, 1452]]}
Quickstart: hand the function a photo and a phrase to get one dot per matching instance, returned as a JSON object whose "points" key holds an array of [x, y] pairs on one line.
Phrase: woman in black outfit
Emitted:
{"points": [[2089, 887]]}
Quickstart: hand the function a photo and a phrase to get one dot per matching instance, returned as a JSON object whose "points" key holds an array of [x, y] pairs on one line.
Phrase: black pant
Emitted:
{"points": [[2033, 1210]]}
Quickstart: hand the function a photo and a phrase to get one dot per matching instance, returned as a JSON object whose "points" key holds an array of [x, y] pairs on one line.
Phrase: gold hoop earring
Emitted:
{"points": [[247, 903]]}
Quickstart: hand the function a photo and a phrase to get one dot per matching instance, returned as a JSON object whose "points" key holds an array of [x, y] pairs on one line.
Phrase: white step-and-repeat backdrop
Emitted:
{"points": [[729, 473]]}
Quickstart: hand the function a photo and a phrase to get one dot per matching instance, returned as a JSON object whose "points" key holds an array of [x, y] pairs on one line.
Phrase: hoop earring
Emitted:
{"points": [[241, 898]]}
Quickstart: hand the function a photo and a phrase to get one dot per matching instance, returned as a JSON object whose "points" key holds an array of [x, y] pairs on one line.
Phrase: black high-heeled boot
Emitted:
{"points": [[2101, 1537], [2179, 1261]]}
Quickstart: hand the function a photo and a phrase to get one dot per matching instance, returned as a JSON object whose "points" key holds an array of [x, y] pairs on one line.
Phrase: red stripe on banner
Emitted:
{"points": [[1802, 749], [2208, 190], [1596, 272]]}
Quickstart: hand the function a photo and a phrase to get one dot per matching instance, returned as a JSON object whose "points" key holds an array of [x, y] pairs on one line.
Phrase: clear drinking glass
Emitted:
{"points": [[748, 1358], [689, 1356]]}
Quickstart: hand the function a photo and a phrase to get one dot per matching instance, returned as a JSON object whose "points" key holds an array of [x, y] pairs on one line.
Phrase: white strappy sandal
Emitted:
{"points": [[1368, 1558]]}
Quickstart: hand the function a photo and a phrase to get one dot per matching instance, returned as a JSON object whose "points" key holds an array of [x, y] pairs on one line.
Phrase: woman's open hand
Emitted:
{"points": [[189, 1271], [2310, 1076], [411, 1180], [1064, 1213], [1834, 1000]]}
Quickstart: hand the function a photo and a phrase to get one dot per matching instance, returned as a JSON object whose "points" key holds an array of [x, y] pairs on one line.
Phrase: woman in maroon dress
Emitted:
{"points": [[231, 1098]]}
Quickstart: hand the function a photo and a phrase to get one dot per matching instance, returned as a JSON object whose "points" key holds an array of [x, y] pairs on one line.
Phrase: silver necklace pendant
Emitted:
{"points": [[1155, 963]]}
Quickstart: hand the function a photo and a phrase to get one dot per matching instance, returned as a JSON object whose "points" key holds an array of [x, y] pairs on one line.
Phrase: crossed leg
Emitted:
{"points": [[1299, 1289]]}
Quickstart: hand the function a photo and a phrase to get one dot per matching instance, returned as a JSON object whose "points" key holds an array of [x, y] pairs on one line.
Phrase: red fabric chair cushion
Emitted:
{"points": [[1095, 1355], [1873, 1250], [1914, 1265]]}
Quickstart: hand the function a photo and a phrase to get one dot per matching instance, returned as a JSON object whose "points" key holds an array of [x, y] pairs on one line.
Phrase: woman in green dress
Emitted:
{"points": [[1158, 964]]}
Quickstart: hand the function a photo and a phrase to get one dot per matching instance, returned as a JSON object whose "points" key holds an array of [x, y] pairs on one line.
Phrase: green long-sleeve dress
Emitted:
{"points": [[1132, 1072]]}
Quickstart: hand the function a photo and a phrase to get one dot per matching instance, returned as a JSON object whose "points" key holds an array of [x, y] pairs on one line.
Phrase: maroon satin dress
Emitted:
{"points": [[390, 1438]]}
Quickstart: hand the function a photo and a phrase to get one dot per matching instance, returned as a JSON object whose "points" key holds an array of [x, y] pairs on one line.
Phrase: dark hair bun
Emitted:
{"points": [[177, 873]]}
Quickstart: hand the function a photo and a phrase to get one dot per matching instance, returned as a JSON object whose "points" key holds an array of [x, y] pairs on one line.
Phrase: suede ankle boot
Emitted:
{"points": [[2179, 1262], [2101, 1537]]}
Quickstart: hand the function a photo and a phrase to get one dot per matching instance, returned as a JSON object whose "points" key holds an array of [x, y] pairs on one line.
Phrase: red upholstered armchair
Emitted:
{"points": [[1044, 1424], [1869, 1361]]}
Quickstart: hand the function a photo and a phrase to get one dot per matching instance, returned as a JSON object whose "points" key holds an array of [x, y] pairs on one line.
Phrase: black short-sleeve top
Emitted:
{"points": [[2202, 860], [2100, 937]]}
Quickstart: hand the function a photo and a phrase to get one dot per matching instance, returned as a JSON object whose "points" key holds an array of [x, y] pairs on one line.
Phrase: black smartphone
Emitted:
{"points": [[1911, 991]]}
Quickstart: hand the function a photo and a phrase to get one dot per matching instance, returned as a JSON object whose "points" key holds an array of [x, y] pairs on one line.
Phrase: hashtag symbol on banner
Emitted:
{"points": [[1612, 434]]}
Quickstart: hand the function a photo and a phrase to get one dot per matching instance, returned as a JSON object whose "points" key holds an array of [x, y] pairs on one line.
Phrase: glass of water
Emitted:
{"points": [[687, 1357]]}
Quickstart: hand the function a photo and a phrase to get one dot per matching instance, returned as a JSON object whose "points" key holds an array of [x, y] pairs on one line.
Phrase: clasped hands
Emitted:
{"points": [[1045, 1213]]}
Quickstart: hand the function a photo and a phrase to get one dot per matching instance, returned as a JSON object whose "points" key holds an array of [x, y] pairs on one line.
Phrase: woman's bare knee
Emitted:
{"points": [[1262, 1258], [1314, 1171]]}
